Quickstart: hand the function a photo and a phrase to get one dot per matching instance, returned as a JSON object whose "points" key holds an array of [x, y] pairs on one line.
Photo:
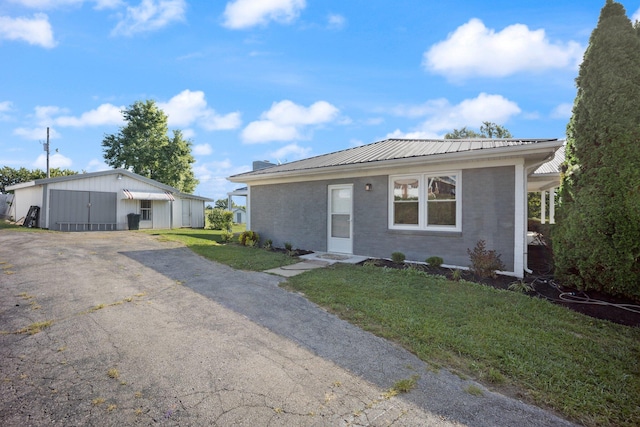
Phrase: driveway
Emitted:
{"points": [[143, 331]]}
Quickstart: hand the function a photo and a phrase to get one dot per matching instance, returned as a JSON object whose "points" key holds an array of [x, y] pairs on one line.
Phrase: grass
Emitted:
{"points": [[208, 243], [586, 369]]}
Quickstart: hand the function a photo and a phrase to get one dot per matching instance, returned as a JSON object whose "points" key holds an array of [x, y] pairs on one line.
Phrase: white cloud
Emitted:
{"points": [[5, 108], [247, 13], [96, 165], [36, 134], [562, 111], [286, 120], [150, 15], [412, 135], [35, 31], [636, 16], [56, 160], [475, 50], [202, 150], [336, 22], [441, 116], [190, 107], [105, 114], [290, 153]]}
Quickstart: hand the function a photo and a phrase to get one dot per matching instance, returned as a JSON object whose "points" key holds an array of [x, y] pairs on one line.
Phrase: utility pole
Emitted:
{"points": [[46, 148]]}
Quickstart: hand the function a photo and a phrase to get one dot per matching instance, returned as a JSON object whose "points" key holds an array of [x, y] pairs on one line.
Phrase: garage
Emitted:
{"points": [[103, 201]]}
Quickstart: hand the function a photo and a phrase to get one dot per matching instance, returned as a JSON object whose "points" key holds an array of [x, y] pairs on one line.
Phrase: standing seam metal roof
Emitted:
{"points": [[393, 149]]}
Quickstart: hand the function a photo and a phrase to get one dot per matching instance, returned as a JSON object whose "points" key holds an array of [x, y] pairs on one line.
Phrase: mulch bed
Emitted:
{"points": [[594, 304]]}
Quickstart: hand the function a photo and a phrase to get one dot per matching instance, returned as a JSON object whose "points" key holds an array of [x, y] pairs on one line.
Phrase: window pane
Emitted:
{"points": [[442, 188], [405, 213], [406, 189], [340, 226], [441, 213], [341, 200]]}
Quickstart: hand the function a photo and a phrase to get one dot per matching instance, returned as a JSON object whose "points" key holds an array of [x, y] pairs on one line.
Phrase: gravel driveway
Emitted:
{"points": [[144, 332]]}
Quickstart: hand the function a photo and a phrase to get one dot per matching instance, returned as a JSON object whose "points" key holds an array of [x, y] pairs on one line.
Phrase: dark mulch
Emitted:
{"points": [[591, 303]]}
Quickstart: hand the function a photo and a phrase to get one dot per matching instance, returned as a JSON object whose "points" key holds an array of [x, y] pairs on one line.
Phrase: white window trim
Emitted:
{"points": [[422, 178]]}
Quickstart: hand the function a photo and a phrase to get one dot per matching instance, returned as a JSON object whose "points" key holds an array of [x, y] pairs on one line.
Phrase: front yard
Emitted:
{"points": [[583, 368]]}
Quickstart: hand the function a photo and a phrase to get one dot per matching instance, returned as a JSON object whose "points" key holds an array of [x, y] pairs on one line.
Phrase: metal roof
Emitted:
{"points": [[553, 165], [391, 149]]}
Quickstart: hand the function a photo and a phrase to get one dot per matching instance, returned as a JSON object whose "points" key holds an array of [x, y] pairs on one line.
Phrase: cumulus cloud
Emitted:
{"points": [[290, 152], [562, 111], [636, 16], [56, 160], [441, 116], [241, 14], [286, 120], [105, 114], [35, 31], [189, 107], [202, 150], [150, 15], [36, 133], [475, 50]]}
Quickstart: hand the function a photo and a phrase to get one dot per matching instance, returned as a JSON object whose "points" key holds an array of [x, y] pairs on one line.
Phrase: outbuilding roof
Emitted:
{"points": [[397, 149], [124, 172]]}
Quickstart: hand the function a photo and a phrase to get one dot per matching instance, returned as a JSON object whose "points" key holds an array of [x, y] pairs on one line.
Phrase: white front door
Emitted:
{"points": [[340, 226]]}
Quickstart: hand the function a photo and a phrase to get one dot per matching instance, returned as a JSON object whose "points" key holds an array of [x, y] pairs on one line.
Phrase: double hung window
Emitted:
{"points": [[425, 202]]}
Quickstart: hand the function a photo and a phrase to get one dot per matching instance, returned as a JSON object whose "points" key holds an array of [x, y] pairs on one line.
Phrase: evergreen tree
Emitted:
{"points": [[597, 237], [144, 147]]}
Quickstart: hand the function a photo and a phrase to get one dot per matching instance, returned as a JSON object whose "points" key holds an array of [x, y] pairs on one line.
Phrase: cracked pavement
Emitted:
{"points": [[144, 332]]}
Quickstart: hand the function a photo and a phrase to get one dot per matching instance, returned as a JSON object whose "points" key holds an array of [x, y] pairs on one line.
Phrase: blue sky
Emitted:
{"points": [[282, 80]]}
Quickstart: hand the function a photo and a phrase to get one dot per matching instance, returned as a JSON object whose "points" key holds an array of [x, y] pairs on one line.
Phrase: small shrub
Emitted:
{"points": [[249, 238], [484, 263], [220, 219], [434, 261], [268, 244], [398, 257], [288, 246], [456, 275], [521, 286], [226, 236]]}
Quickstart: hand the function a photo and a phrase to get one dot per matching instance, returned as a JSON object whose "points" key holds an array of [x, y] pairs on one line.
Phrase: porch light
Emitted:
{"points": [[368, 187]]}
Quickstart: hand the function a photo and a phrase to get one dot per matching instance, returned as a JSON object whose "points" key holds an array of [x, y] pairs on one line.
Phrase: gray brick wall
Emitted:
{"points": [[297, 213]]}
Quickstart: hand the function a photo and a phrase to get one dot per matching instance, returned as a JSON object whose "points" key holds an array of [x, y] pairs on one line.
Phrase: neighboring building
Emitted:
{"points": [[103, 200], [420, 197], [239, 215]]}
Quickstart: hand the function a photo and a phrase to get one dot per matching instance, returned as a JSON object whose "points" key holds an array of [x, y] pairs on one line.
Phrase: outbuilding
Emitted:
{"points": [[114, 199], [420, 197]]}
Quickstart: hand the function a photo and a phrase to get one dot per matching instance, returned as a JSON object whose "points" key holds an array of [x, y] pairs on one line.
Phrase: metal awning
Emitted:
{"points": [[147, 195]]}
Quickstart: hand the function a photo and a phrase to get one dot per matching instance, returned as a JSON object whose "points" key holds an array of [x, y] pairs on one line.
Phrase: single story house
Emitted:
{"points": [[420, 197], [103, 200]]}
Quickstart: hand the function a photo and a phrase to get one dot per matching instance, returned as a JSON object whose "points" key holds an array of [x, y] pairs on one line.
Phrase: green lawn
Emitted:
{"points": [[209, 244], [585, 369]]}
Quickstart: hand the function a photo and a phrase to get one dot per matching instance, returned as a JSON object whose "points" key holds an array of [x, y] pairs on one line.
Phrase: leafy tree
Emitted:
{"points": [[597, 237], [144, 147], [463, 133], [492, 130], [10, 176], [487, 130], [222, 204]]}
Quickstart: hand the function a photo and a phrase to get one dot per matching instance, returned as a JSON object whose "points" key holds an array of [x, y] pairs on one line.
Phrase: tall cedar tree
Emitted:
{"points": [[596, 241], [144, 147]]}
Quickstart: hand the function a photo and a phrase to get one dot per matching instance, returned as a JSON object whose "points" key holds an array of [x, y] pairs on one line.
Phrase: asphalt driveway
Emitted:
{"points": [[143, 331]]}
